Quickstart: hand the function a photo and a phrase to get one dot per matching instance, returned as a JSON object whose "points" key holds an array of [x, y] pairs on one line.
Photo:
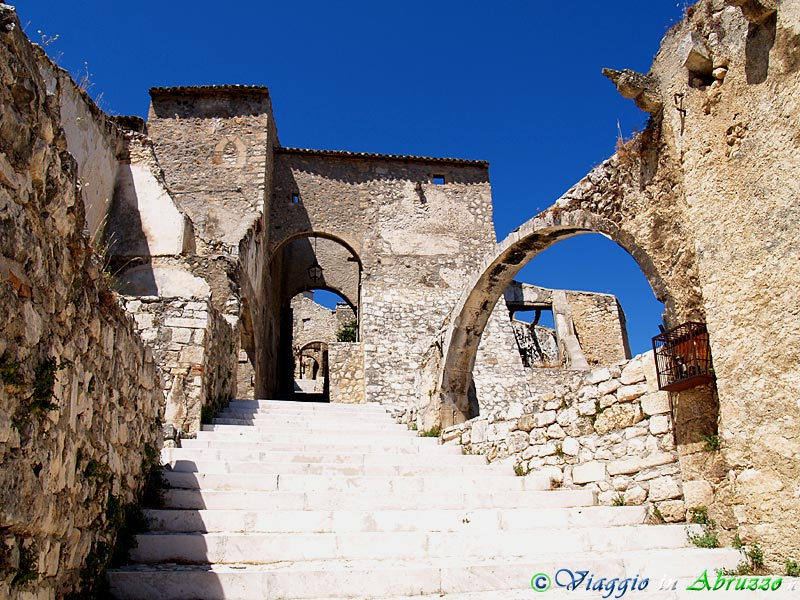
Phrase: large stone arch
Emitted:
{"points": [[471, 314]]}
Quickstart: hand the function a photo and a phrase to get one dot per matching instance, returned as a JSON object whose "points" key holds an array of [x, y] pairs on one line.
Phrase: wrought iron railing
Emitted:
{"points": [[683, 357]]}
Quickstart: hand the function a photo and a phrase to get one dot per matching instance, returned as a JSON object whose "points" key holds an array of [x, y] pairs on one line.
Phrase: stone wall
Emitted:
{"points": [[705, 200], [194, 347], [92, 138], [415, 242], [313, 322], [609, 430], [346, 364], [80, 396], [599, 324]]}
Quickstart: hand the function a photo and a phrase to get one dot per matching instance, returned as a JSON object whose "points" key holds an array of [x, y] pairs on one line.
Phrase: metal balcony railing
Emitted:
{"points": [[683, 357]]}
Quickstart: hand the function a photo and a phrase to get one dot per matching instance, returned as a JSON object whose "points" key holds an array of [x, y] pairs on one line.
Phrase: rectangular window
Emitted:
{"points": [[438, 180]]}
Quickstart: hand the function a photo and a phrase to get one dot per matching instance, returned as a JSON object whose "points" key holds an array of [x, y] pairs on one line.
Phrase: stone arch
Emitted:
{"points": [[230, 152], [471, 314], [348, 244]]}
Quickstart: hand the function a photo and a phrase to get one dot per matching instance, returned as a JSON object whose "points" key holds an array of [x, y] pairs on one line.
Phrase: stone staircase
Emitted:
{"points": [[297, 500]]}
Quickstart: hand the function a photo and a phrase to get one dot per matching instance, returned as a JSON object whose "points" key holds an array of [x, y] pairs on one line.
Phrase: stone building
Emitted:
{"points": [[208, 228]]}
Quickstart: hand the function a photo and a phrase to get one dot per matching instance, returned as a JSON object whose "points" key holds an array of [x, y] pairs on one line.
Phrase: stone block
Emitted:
{"points": [[517, 441], [752, 482], [192, 355], [627, 393], [632, 373], [634, 465], [659, 424], [182, 322], [598, 375], [698, 492], [570, 446], [589, 472], [548, 449], [664, 488], [526, 423], [608, 387], [673, 511], [635, 495], [478, 433], [587, 408], [618, 416], [655, 404], [545, 418]]}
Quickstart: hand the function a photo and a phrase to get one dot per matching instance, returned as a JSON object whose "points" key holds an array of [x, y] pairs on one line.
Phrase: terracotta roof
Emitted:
{"points": [[208, 90], [372, 155]]}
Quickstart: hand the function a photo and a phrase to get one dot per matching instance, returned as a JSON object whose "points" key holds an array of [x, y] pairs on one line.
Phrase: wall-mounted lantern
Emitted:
{"points": [[315, 270]]}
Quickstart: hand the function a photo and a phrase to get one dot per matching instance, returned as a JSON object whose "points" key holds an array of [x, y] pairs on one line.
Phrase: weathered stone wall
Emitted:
{"points": [[705, 199], [313, 322], [736, 133], [416, 242], [609, 430], [600, 327], [213, 144], [346, 364], [92, 139], [80, 397], [194, 346]]}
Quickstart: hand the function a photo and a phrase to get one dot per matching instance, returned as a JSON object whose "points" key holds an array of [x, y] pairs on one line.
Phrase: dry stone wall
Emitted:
{"points": [[346, 364], [194, 346], [80, 396], [609, 430]]}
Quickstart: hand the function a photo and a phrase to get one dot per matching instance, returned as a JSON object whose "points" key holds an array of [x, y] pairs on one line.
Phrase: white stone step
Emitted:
{"points": [[370, 579], [310, 406], [307, 407], [260, 500], [289, 443], [274, 425], [342, 483], [328, 456], [427, 468], [282, 434], [269, 421], [218, 548], [484, 520]]}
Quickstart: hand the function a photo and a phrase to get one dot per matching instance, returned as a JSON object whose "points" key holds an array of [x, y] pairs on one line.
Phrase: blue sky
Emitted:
{"points": [[515, 83]]}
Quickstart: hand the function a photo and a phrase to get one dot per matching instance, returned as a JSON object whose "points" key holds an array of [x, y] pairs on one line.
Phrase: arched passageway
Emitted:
{"points": [[304, 262], [471, 314]]}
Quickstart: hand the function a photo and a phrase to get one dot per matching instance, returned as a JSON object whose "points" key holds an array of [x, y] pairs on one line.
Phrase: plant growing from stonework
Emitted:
{"points": [[27, 571], [711, 443], [655, 516], [434, 431], [618, 500], [44, 380], [348, 332], [708, 538], [753, 563], [520, 470], [10, 373], [792, 568]]}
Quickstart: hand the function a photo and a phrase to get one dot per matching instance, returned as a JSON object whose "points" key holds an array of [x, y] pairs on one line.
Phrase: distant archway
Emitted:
{"points": [[471, 314]]}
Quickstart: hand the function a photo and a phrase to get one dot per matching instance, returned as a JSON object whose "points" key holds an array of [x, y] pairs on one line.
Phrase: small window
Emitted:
{"points": [[438, 180], [296, 198]]}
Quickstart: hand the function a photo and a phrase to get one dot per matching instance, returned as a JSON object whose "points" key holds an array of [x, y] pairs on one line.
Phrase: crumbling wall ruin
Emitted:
{"points": [[705, 199]]}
